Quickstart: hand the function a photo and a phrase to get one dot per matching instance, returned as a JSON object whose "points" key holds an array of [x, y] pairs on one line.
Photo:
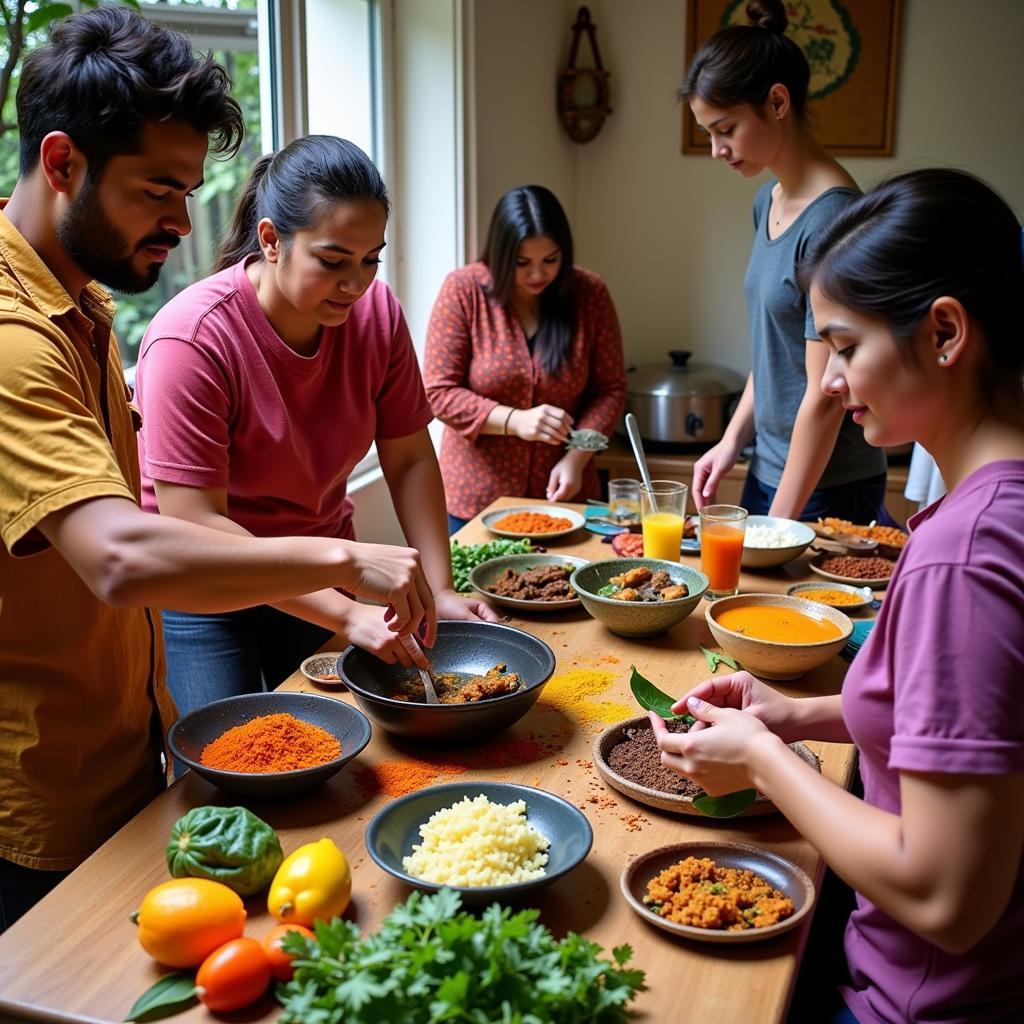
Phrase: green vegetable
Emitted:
{"points": [[430, 961], [650, 698], [726, 806], [609, 590], [466, 557], [225, 844], [713, 658], [171, 994]]}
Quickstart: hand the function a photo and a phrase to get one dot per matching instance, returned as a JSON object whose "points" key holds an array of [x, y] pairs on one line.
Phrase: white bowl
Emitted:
{"points": [[767, 558]]}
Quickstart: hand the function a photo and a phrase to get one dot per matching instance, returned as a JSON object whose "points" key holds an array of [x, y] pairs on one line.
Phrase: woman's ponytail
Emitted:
{"points": [[241, 239]]}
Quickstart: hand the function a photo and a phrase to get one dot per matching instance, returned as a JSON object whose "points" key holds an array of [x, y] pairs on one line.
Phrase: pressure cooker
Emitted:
{"points": [[680, 402]]}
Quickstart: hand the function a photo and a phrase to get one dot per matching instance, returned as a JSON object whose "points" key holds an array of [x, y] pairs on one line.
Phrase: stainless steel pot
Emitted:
{"points": [[682, 402]]}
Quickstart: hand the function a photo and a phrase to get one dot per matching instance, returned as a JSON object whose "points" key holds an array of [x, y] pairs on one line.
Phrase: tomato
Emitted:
{"points": [[183, 921], [233, 976], [628, 545], [280, 961]]}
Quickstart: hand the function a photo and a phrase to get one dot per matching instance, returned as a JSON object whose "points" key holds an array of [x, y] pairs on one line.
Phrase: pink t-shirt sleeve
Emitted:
{"points": [[186, 431], [402, 406], [957, 666]]}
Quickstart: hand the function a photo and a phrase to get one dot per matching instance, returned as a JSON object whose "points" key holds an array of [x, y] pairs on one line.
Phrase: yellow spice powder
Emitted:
{"points": [[572, 693]]}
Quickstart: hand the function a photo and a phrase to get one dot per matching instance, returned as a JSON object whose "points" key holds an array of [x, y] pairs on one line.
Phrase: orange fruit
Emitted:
{"points": [[280, 961], [233, 976], [183, 921]]}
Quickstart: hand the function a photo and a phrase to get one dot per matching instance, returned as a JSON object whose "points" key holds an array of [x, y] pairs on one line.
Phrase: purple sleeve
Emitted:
{"points": [[402, 406], [185, 403], [958, 669]]}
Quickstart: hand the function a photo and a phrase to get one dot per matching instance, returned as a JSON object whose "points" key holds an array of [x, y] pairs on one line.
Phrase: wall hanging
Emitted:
{"points": [[583, 93]]}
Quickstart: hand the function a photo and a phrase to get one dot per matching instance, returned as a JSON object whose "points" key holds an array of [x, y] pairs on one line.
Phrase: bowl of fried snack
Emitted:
{"points": [[638, 596]]}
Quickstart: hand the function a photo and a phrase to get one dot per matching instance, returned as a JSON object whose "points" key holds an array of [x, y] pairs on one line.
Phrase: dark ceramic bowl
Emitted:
{"points": [[472, 647], [191, 733], [396, 827], [780, 873]]}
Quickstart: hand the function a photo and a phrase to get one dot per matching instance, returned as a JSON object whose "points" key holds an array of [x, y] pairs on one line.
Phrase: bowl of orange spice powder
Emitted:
{"points": [[534, 521], [269, 745]]}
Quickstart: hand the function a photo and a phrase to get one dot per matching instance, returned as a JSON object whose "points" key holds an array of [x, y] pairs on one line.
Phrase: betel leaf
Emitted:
{"points": [[726, 806], [172, 994], [714, 659], [650, 698]]}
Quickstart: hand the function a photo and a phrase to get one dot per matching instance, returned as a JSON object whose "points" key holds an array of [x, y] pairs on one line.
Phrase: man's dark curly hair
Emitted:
{"points": [[108, 72]]}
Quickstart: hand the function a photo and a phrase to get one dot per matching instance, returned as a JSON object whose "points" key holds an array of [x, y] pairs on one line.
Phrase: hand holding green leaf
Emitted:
{"points": [[650, 698]]}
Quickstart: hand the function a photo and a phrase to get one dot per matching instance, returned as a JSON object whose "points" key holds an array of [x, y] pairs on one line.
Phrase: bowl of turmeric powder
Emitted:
{"points": [[269, 745]]}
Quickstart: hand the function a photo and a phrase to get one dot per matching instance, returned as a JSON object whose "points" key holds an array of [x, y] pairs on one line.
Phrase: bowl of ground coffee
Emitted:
{"points": [[628, 759]]}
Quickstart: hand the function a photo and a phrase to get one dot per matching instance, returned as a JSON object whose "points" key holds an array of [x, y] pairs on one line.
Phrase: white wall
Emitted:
{"points": [[671, 233]]}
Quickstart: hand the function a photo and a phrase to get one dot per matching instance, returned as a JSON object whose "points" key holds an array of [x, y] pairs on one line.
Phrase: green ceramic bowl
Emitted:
{"points": [[637, 618], [482, 578]]}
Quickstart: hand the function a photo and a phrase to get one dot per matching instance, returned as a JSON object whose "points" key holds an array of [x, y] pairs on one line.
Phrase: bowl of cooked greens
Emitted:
{"points": [[487, 676], [638, 596]]}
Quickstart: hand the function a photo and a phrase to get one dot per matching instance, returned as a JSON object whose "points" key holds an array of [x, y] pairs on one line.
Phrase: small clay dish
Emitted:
{"points": [[674, 803], [778, 872]]}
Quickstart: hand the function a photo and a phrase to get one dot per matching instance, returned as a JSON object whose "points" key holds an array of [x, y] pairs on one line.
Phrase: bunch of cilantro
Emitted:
{"points": [[466, 557], [431, 962]]}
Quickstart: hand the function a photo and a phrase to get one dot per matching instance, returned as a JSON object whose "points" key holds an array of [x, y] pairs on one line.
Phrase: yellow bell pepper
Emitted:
{"points": [[314, 882]]}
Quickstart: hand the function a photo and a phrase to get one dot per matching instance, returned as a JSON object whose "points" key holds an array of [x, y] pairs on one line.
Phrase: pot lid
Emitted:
{"points": [[680, 378]]}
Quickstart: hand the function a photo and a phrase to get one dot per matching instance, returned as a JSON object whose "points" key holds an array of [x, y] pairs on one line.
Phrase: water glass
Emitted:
{"points": [[662, 508], [624, 501], [722, 528]]}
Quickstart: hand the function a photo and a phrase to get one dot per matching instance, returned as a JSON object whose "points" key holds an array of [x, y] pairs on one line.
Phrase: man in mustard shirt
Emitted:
{"points": [[115, 117]]}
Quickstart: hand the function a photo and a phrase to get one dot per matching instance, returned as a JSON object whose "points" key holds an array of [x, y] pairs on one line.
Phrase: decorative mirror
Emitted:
{"points": [[583, 93]]}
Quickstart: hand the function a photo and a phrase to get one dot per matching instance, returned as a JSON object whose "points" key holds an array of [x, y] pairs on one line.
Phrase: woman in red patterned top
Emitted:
{"points": [[522, 346]]}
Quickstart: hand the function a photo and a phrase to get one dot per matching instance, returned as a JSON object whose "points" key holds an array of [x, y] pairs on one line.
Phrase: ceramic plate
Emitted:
{"points": [[877, 584], [780, 873], [672, 802], [322, 669], [484, 575], [556, 511], [805, 591]]}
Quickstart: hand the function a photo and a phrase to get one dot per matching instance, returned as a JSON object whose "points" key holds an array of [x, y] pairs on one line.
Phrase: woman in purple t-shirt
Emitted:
{"points": [[916, 290], [262, 387]]}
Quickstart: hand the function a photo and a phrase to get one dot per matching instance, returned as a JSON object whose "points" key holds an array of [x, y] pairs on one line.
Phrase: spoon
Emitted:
{"points": [[852, 541], [428, 683], [633, 430]]}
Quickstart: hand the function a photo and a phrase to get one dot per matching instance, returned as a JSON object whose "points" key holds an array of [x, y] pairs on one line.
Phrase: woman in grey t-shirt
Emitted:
{"points": [[747, 88]]}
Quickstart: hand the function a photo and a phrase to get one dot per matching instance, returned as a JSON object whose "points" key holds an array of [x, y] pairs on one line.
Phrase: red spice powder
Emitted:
{"points": [[271, 743]]}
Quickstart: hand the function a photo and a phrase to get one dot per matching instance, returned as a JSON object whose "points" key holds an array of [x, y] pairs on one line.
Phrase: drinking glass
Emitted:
{"points": [[722, 528], [663, 506], [624, 501]]}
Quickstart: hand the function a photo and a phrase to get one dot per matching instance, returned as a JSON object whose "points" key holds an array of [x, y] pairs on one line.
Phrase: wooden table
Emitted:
{"points": [[74, 957]]}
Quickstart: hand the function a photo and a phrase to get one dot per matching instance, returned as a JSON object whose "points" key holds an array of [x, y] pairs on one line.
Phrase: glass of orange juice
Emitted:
{"points": [[721, 547], [662, 507]]}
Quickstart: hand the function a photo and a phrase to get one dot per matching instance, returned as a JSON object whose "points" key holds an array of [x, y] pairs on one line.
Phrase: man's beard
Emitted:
{"points": [[97, 246]]}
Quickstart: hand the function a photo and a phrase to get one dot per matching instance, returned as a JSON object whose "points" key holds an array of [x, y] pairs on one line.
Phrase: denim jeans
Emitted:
{"points": [[22, 888], [860, 501], [215, 656], [455, 524]]}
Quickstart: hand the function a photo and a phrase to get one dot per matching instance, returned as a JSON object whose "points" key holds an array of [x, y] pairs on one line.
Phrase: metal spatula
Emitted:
{"points": [[428, 683]]}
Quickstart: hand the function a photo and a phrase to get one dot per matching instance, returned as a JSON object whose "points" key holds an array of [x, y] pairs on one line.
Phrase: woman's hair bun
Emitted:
{"points": [[768, 14]]}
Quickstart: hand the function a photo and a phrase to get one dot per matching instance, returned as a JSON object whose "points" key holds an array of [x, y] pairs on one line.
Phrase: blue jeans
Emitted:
{"points": [[860, 501], [844, 1016], [455, 524], [22, 888], [215, 656]]}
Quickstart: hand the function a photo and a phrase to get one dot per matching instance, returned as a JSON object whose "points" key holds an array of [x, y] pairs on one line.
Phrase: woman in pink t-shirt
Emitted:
{"points": [[916, 289], [261, 388]]}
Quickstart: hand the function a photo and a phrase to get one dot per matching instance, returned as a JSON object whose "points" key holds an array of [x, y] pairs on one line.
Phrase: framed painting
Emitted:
{"points": [[852, 47]]}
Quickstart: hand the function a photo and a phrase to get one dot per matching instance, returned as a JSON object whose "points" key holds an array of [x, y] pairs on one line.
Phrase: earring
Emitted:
{"points": [[944, 358]]}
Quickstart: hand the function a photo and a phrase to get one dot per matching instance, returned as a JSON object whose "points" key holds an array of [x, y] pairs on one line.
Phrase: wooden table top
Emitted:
{"points": [[74, 956]]}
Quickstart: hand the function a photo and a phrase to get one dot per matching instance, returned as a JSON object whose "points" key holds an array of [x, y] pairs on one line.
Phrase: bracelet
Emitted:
{"points": [[504, 429]]}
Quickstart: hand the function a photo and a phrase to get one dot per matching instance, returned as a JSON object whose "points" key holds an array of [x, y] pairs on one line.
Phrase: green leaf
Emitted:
{"points": [[172, 994], [44, 14], [609, 590], [726, 806], [649, 697], [713, 658]]}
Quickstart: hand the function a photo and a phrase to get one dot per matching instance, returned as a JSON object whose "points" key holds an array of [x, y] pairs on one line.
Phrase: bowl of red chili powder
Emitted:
{"points": [[269, 745]]}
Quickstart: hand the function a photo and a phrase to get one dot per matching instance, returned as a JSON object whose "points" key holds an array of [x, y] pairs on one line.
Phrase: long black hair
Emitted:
{"points": [[107, 73], [740, 63], [522, 213], [920, 236], [294, 186]]}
